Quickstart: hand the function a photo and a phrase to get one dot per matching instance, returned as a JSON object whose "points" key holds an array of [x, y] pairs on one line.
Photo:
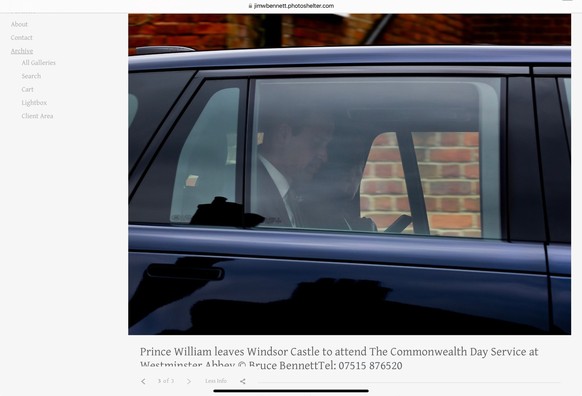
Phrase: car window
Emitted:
{"points": [[151, 94], [566, 94], [379, 154], [206, 165], [197, 163], [553, 125], [568, 90], [133, 106]]}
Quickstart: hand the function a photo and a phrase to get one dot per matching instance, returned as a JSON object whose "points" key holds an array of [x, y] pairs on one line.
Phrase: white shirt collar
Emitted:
{"points": [[280, 181]]}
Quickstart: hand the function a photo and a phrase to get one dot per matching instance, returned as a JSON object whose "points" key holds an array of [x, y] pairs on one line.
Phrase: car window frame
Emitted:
{"points": [[142, 165], [178, 116], [502, 72], [181, 79], [555, 158], [509, 196]]}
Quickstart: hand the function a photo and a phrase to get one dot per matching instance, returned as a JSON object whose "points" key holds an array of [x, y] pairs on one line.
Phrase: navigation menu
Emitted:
{"points": [[28, 58]]}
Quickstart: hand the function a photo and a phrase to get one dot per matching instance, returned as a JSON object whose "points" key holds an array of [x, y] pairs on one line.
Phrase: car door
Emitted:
{"points": [[452, 158]]}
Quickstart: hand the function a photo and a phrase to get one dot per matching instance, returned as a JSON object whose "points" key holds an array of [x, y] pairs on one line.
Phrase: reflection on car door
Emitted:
{"points": [[252, 291]]}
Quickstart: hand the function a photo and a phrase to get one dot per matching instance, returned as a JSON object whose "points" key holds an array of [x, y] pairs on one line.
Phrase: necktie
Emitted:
{"points": [[293, 202]]}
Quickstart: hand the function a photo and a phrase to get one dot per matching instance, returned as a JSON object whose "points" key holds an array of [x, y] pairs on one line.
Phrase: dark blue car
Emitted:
{"points": [[350, 190]]}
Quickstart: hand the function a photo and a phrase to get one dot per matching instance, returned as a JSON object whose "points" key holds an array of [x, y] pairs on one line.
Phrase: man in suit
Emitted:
{"points": [[293, 148]]}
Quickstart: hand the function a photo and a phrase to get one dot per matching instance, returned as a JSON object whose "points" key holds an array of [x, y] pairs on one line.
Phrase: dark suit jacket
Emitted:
{"points": [[268, 202]]}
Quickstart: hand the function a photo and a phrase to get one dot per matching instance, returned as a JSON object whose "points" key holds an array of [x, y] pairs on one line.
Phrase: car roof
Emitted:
{"points": [[371, 55]]}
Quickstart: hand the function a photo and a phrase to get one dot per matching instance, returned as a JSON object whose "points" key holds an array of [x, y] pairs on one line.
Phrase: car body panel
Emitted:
{"points": [[465, 278], [559, 267]]}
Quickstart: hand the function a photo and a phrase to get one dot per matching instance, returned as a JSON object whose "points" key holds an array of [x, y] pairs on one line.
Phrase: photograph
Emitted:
{"points": [[349, 174]]}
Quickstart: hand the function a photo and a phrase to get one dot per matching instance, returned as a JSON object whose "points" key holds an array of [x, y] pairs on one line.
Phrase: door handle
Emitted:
{"points": [[184, 272]]}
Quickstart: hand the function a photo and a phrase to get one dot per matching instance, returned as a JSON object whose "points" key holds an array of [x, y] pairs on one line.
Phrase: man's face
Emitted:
{"points": [[307, 148]]}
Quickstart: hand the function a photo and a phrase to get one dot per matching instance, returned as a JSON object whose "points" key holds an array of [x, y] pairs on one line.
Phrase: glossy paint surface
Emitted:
{"points": [[272, 281], [356, 56]]}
